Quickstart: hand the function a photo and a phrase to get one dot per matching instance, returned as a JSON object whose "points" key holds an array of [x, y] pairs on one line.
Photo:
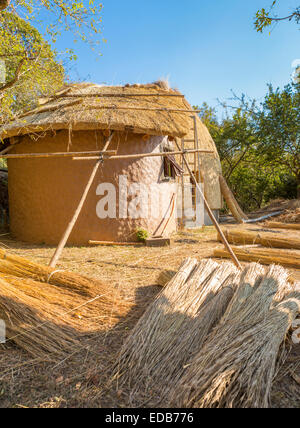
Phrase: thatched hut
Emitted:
{"points": [[44, 192]]}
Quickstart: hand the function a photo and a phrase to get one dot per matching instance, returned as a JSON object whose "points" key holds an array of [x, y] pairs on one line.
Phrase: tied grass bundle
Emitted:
{"points": [[77, 311], [267, 256], [174, 327], [34, 325], [47, 312], [111, 302], [238, 362], [272, 239]]}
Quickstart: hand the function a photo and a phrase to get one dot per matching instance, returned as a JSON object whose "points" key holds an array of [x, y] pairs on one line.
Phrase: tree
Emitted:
{"points": [[32, 68], [234, 135], [259, 145], [30, 65], [62, 15], [279, 128], [265, 18]]}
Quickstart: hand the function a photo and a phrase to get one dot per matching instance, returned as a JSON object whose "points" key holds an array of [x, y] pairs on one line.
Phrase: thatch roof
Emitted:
{"points": [[148, 109]]}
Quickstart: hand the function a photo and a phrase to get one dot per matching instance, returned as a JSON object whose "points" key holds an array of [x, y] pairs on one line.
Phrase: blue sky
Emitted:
{"points": [[206, 48]]}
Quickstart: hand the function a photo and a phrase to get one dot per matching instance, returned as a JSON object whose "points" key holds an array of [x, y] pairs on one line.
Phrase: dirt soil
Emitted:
{"points": [[83, 379]]}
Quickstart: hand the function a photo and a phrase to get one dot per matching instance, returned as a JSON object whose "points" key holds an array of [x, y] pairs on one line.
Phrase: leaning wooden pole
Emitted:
{"points": [[70, 226], [211, 215]]}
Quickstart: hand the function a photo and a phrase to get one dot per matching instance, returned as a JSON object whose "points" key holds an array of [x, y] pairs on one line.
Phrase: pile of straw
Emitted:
{"points": [[111, 302], [268, 256], [34, 325], [47, 311], [237, 364], [273, 239], [21, 267], [175, 326], [213, 338], [290, 216]]}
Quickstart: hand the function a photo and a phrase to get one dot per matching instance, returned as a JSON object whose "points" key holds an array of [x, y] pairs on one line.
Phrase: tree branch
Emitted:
{"points": [[16, 77]]}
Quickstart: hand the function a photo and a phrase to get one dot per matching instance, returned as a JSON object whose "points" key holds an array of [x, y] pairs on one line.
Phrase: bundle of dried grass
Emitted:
{"points": [[46, 311], [111, 301], [268, 256], [231, 202], [279, 225], [237, 365], [174, 326], [77, 311], [273, 239], [164, 277], [292, 215], [34, 325]]}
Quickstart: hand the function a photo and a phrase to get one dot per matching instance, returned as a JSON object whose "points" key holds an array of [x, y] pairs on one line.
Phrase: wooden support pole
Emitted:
{"points": [[162, 109], [182, 189], [110, 95], [117, 244], [70, 226], [143, 155], [211, 215], [8, 149], [54, 155]]}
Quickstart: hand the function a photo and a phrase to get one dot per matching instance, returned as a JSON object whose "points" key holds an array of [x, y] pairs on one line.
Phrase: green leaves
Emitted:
{"points": [[32, 66], [279, 128], [265, 18], [75, 17], [32, 69]]}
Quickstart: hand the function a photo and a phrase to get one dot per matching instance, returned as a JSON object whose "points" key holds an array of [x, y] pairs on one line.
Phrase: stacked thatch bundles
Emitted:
{"points": [[237, 365], [212, 338], [174, 327]]}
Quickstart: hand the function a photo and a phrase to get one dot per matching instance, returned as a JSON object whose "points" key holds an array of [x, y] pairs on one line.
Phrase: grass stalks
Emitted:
{"points": [[237, 364]]}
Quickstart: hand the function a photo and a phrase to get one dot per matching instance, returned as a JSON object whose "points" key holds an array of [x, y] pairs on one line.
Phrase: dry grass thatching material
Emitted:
{"points": [[289, 205], [174, 326], [290, 216], [272, 239], [12, 264], [268, 256], [78, 312], [85, 106], [164, 277], [33, 324], [46, 310], [238, 362], [279, 225]]}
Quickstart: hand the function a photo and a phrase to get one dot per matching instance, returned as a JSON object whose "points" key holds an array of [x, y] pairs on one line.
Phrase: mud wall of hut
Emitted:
{"points": [[43, 193]]}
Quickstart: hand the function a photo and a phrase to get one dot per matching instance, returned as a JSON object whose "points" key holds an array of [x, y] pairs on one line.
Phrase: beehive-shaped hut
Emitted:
{"points": [[127, 193]]}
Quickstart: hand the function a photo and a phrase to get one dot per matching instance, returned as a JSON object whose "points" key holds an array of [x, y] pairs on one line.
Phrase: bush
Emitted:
{"points": [[142, 235]]}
